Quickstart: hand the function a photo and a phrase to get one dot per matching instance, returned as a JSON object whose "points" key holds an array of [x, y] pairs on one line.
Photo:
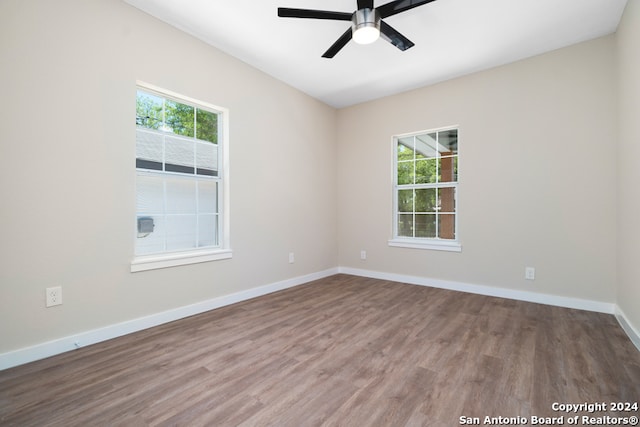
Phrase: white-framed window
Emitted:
{"points": [[181, 180], [425, 190]]}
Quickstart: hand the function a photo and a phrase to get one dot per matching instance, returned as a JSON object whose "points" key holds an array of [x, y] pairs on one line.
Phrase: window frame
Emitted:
{"points": [[429, 243], [197, 255]]}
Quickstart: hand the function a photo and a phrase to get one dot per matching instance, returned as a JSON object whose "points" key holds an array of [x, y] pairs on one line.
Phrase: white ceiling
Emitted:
{"points": [[452, 38]]}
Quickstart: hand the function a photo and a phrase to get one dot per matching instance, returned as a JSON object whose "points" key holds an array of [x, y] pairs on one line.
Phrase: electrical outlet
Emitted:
{"points": [[54, 296], [530, 273], [292, 258], [363, 255]]}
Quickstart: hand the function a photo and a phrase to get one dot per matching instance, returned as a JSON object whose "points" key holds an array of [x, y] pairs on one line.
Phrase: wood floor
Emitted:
{"points": [[341, 351]]}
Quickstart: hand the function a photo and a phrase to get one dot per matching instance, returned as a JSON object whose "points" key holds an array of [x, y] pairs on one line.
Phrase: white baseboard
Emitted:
{"points": [[631, 332], [555, 300], [61, 345], [581, 304]]}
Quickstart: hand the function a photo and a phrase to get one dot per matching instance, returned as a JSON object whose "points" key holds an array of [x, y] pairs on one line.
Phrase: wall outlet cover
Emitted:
{"points": [[529, 273], [54, 296]]}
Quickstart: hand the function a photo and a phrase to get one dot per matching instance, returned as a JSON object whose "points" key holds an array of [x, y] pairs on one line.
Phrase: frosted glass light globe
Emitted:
{"points": [[366, 35]]}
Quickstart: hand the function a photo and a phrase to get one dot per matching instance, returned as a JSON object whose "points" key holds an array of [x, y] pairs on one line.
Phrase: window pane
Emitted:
{"points": [[148, 110], [447, 199], [406, 172], [207, 230], [425, 200], [448, 169], [206, 159], [181, 232], [181, 195], [425, 225], [405, 225], [446, 226], [149, 195], [207, 196], [149, 148], [426, 171], [179, 155], [179, 118], [405, 200], [426, 146], [448, 142], [405, 148], [206, 126]]}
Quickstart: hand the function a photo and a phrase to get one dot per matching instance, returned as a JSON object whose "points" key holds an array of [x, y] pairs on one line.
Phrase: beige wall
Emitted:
{"points": [[537, 175], [67, 75], [628, 43]]}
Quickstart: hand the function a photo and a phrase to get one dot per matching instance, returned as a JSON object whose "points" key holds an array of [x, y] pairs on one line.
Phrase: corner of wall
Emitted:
{"points": [[628, 170]]}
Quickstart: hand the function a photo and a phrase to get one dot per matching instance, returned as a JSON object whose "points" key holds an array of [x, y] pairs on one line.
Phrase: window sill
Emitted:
{"points": [[153, 262], [431, 244]]}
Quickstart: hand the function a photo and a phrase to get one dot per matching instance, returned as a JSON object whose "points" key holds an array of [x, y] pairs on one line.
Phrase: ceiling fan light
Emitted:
{"points": [[366, 35], [365, 26]]}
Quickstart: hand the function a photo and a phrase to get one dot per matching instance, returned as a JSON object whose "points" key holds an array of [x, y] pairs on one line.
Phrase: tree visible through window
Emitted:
{"points": [[426, 182]]}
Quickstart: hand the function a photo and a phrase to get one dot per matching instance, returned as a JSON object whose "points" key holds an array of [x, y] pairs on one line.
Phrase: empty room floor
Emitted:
{"points": [[340, 351]]}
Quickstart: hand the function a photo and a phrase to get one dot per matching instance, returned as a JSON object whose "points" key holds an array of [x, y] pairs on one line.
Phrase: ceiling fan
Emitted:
{"points": [[366, 22]]}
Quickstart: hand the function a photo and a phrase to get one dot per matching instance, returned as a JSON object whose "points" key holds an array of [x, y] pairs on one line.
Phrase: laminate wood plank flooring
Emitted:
{"points": [[340, 351]]}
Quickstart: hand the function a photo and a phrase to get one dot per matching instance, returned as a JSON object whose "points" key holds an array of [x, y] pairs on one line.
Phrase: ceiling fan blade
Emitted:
{"points": [[286, 12], [398, 6], [365, 4], [339, 44], [391, 35]]}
